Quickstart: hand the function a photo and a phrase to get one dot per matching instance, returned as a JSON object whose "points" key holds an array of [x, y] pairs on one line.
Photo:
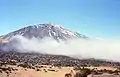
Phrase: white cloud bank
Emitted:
{"points": [[99, 49]]}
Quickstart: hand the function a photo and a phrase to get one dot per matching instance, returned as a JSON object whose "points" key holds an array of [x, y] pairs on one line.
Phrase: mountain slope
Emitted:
{"points": [[40, 31], [45, 30]]}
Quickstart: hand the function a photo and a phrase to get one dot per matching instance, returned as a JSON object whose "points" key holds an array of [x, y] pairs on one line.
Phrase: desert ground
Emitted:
{"points": [[49, 71], [42, 72], [14, 64]]}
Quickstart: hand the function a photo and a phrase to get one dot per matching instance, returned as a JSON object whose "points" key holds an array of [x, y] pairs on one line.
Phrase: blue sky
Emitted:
{"points": [[96, 18]]}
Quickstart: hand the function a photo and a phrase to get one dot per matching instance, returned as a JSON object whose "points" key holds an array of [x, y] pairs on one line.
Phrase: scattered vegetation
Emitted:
{"points": [[32, 59], [38, 70], [68, 75], [44, 70]]}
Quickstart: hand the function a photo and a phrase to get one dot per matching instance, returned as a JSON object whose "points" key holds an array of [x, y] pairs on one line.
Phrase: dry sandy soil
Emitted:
{"points": [[45, 72]]}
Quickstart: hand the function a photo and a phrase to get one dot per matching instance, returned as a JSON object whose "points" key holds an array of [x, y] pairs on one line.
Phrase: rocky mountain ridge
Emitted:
{"points": [[45, 30]]}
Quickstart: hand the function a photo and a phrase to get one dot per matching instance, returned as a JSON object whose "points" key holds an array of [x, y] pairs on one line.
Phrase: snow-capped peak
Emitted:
{"points": [[45, 30]]}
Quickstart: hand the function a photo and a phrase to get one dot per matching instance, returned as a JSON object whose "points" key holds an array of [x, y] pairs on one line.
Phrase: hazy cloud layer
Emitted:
{"points": [[100, 49]]}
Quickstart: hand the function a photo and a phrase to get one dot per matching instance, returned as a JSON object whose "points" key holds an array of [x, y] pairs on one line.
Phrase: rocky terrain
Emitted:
{"points": [[16, 64], [49, 59]]}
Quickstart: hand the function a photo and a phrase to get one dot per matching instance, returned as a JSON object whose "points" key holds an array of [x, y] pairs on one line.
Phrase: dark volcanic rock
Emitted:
{"points": [[48, 59]]}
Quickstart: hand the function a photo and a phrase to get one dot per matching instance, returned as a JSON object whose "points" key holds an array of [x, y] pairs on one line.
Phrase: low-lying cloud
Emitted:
{"points": [[99, 49]]}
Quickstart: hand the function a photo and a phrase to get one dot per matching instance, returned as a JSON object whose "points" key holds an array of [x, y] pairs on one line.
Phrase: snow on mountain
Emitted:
{"points": [[45, 30], [38, 31]]}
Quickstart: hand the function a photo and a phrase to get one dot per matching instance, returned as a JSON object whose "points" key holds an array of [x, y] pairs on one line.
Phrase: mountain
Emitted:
{"points": [[45, 30], [39, 31]]}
